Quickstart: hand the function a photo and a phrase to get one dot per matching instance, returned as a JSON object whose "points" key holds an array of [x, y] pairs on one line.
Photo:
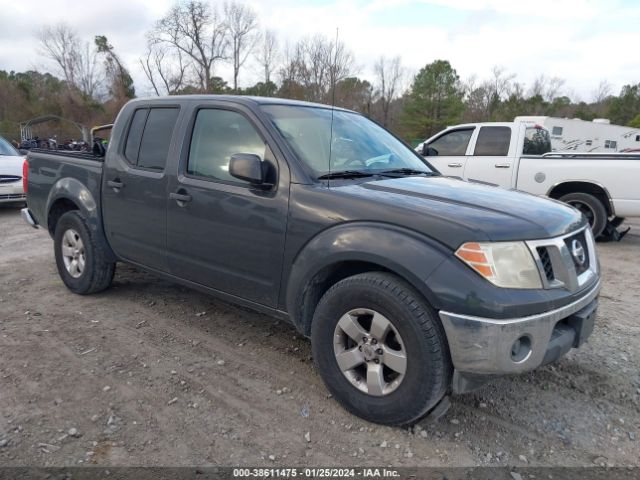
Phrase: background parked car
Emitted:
{"points": [[11, 161]]}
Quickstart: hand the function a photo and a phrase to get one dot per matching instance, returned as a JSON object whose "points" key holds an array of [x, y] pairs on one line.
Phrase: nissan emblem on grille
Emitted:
{"points": [[577, 250]]}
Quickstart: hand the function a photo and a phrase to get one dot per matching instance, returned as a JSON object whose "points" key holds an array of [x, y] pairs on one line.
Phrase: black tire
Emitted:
{"points": [[591, 207], [428, 367], [98, 271]]}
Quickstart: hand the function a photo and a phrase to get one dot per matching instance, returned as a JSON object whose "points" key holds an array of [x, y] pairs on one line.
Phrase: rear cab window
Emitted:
{"points": [[149, 137], [537, 141]]}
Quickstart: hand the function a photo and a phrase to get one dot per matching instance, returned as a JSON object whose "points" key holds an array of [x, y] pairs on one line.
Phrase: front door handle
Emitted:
{"points": [[115, 184], [181, 198], [455, 165], [503, 165]]}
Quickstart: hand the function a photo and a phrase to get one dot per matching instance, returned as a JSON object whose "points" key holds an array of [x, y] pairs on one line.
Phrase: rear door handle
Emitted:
{"points": [[115, 184], [181, 198], [503, 165], [455, 165]]}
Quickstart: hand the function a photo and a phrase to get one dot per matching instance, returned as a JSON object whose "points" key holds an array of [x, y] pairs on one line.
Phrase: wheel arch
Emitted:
{"points": [[583, 186], [69, 194], [58, 208], [348, 250]]}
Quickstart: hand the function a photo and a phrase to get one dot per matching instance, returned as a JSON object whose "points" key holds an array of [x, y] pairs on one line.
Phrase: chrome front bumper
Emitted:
{"points": [[485, 346]]}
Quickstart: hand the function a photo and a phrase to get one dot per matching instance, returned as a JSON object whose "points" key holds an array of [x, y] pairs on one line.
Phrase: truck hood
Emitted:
{"points": [[454, 211]]}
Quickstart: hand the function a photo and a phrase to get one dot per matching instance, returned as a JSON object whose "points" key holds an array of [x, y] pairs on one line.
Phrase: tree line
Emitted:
{"points": [[88, 81]]}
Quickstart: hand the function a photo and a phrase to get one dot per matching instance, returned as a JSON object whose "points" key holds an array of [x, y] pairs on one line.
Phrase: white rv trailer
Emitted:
{"points": [[573, 134]]}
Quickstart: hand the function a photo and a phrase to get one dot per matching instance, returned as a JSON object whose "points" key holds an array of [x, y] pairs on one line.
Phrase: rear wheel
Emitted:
{"points": [[380, 349], [82, 264], [592, 208]]}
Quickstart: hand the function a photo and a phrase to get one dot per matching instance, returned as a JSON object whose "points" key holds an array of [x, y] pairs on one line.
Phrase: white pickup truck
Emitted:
{"points": [[517, 155]]}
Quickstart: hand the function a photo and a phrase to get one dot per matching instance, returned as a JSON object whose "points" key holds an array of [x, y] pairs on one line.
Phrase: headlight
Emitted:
{"points": [[505, 264]]}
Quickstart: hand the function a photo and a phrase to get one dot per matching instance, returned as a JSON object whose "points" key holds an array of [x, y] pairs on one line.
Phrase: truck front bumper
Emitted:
{"points": [[488, 347]]}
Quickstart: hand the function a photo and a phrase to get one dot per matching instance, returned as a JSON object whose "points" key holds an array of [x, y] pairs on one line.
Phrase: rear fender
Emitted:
{"points": [[76, 192]]}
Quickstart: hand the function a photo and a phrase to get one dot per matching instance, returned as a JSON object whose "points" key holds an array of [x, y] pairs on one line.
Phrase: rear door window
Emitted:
{"points": [[156, 138], [493, 142], [132, 146]]}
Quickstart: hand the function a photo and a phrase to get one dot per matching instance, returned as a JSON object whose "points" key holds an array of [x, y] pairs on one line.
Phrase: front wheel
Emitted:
{"points": [[82, 263], [380, 349]]}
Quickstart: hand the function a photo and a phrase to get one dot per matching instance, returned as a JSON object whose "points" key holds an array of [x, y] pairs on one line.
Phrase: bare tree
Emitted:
{"points": [[165, 71], [290, 72], [478, 100], [500, 83], [341, 62], [546, 87], [59, 43], [388, 74], [554, 88], [316, 65], [195, 29], [241, 22], [76, 60], [538, 87], [88, 74], [602, 92], [268, 53]]}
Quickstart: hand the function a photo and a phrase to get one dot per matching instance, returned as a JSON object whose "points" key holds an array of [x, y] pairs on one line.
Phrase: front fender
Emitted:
{"points": [[404, 252]]}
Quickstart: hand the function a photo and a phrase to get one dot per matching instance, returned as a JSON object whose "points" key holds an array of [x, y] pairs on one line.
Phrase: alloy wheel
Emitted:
{"points": [[73, 253], [370, 352]]}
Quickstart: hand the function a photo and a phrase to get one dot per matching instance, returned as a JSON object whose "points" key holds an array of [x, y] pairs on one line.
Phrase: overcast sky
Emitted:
{"points": [[582, 41]]}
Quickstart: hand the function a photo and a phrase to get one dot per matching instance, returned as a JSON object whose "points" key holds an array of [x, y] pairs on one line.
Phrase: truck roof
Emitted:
{"points": [[483, 124], [241, 99]]}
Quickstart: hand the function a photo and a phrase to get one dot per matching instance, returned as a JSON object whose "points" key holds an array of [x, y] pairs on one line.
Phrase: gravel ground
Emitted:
{"points": [[149, 373]]}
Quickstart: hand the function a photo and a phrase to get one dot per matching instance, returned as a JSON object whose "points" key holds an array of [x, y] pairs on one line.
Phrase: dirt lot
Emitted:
{"points": [[148, 373]]}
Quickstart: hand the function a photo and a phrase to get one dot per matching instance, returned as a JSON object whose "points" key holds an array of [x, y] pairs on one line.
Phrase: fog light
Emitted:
{"points": [[521, 349]]}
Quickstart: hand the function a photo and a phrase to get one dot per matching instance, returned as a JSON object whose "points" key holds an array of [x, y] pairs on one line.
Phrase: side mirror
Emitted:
{"points": [[428, 151], [248, 167]]}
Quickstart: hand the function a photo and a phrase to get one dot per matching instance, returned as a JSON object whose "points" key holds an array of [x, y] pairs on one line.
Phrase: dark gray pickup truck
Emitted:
{"points": [[410, 285]]}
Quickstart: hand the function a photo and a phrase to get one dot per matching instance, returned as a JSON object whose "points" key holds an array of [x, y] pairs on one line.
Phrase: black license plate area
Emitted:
{"points": [[583, 322]]}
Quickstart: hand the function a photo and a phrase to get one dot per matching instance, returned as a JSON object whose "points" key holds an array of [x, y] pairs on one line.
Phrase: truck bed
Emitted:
{"points": [[617, 174], [67, 153], [55, 173]]}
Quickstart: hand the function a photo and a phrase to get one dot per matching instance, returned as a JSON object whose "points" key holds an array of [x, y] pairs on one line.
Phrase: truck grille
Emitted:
{"points": [[13, 196], [9, 178], [545, 259], [568, 261]]}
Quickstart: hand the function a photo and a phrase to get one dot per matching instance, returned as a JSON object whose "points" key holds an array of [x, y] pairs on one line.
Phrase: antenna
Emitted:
{"points": [[333, 104]]}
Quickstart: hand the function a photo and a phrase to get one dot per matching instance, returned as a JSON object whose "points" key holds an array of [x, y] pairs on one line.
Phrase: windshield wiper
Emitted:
{"points": [[345, 174], [407, 171]]}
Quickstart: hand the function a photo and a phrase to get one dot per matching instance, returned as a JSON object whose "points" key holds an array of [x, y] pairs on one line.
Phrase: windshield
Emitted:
{"points": [[7, 149], [357, 144], [536, 141]]}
